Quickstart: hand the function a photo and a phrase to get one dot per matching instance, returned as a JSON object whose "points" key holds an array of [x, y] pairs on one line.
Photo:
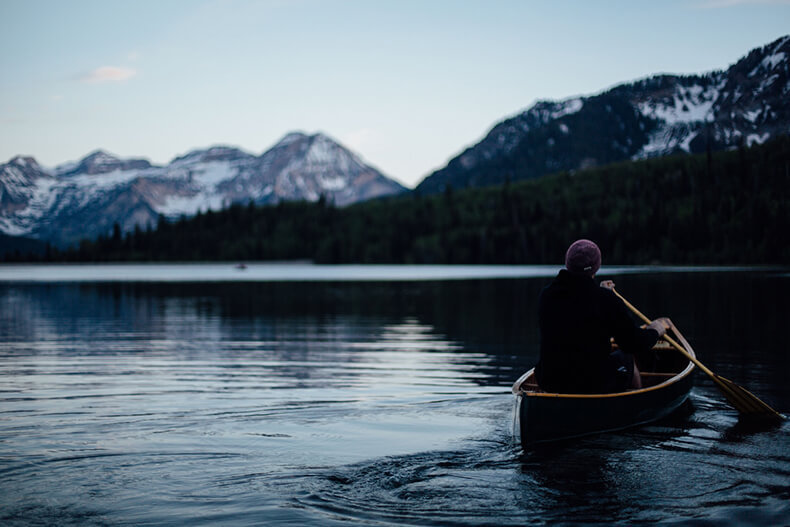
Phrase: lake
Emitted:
{"points": [[341, 395]]}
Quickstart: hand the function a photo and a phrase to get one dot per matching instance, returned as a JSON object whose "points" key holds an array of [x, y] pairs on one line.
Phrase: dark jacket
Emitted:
{"points": [[577, 319]]}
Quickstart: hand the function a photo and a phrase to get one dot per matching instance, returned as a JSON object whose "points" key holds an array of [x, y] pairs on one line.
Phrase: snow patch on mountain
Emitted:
{"points": [[685, 143], [768, 63], [332, 183], [567, 107], [177, 205], [766, 83], [211, 174], [98, 182], [320, 152], [752, 115], [757, 139], [40, 199], [688, 105]]}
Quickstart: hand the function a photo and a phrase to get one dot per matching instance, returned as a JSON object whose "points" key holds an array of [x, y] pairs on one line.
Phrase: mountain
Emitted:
{"points": [[86, 198], [664, 114]]}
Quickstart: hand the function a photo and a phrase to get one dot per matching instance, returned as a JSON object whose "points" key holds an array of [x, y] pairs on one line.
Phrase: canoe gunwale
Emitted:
{"points": [[517, 390]]}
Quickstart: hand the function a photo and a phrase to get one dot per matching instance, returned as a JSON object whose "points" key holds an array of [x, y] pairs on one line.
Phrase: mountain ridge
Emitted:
{"points": [[87, 197], [649, 117]]}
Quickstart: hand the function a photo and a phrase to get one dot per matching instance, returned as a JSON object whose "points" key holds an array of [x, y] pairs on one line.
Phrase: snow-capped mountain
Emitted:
{"points": [[665, 114], [86, 198]]}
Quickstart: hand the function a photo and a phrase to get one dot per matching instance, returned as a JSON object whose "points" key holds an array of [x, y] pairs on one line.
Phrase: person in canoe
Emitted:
{"points": [[577, 318]]}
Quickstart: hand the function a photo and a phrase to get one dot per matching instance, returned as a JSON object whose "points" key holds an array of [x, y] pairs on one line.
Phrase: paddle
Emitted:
{"points": [[742, 399]]}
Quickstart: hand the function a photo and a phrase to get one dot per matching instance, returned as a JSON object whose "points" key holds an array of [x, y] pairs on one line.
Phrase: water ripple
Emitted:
{"points": [[334, 404]]}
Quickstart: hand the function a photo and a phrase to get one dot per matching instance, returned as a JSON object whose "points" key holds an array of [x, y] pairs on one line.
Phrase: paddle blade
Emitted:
{"points": [[747, 404]]}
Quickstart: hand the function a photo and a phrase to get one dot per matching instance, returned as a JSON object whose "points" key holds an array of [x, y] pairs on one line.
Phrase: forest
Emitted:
{"points": [[713, 208]]}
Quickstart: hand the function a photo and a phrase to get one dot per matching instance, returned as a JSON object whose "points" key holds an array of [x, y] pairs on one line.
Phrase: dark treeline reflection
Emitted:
{"points": [[735, 320]]}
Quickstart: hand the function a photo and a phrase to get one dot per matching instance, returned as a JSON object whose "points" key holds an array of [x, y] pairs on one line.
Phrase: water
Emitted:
{"points": [[160, 402]]}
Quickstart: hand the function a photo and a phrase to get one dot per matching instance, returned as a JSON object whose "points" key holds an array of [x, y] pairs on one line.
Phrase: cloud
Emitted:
{"points": [[716, 4], [109, 74]]}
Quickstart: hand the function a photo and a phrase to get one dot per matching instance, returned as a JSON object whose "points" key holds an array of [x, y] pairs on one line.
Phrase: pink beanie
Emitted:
{"points": [[583, 257]]}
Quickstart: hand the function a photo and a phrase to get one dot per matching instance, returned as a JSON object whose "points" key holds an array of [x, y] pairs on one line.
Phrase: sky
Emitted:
{"points": [[405, 84]]}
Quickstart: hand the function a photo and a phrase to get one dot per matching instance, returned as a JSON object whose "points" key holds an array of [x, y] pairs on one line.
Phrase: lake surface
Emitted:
{"points": [[341, 395]]}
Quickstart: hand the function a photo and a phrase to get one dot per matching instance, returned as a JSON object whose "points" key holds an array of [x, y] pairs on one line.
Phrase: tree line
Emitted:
{"points": [[715, 208]]}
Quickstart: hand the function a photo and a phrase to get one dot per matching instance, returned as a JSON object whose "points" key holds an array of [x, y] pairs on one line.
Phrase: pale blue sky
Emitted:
{"points": [[406, 84]]}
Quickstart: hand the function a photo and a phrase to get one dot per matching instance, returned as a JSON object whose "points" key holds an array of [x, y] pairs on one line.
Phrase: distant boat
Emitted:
{"points": [[241, 266], [545, 417]]}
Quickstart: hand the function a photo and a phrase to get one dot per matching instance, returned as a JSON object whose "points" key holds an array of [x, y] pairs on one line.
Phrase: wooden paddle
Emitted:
{"points": [[740, 398]]}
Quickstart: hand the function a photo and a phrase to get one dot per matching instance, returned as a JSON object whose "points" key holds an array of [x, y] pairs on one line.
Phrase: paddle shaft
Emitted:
{"points": [[743, 400], [669, 339]]}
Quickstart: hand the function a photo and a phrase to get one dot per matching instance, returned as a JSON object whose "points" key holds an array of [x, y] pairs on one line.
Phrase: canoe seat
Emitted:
{"points": [[531, 387], [652, 378], [661, 345]]}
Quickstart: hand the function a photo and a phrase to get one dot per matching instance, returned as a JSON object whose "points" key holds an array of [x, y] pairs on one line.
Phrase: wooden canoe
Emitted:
{"points": [[544, 417]]}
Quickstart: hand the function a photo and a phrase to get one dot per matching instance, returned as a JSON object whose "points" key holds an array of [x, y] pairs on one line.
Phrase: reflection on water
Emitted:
{"points": [[331, 403]]}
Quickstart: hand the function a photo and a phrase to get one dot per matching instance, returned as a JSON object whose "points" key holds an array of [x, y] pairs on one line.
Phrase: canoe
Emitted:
{"points": [[544, 417]]}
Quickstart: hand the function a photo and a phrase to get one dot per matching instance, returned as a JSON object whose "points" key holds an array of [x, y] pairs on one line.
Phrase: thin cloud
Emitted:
{"points": [[109, 74], [718, 4]]}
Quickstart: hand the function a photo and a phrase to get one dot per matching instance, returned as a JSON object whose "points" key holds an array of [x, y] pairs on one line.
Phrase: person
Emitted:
{"points": [[577, 319]]}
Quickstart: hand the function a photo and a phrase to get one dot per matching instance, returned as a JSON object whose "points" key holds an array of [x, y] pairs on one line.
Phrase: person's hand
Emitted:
{"points": [[608, 284], [661, 325]]}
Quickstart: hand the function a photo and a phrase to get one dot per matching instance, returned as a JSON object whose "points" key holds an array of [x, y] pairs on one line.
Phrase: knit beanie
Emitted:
{"points": [[583, 257]]}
